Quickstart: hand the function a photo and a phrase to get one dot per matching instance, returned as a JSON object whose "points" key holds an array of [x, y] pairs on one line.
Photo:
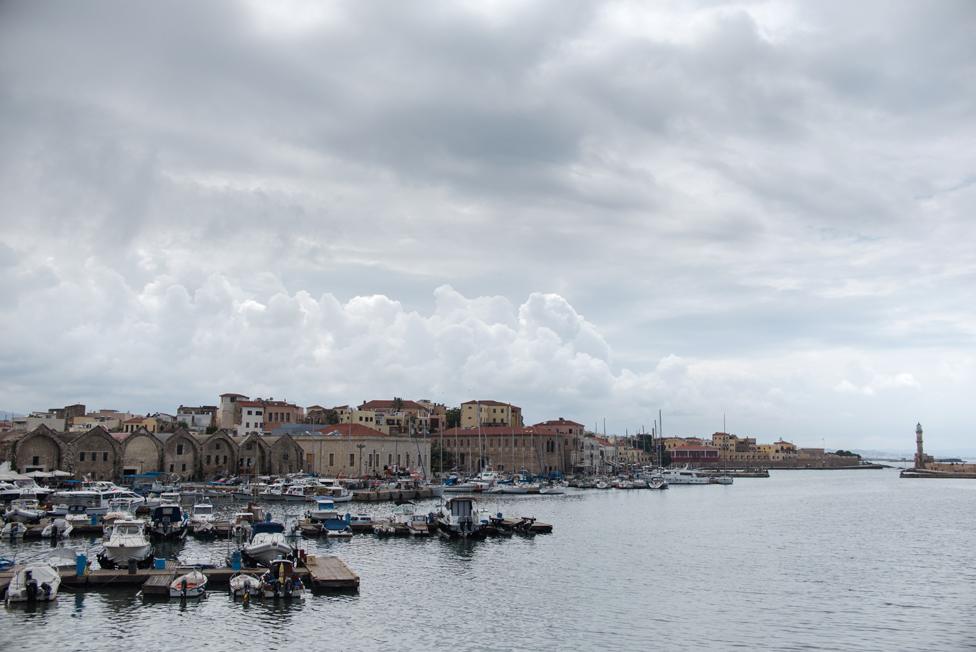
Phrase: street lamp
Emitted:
{"points": [[360, 447]]}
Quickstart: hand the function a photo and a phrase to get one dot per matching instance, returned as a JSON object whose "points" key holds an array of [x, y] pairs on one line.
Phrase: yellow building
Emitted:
{"points": [[490, 413], [354, 450]]}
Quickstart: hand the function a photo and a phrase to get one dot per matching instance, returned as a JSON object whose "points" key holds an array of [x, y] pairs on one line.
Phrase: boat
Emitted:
{"points": [[282, 582], [417, 524], [126, 542], [458, 518], [168, 523], [601, 484], [243, 584], [720, 479], [684, 475], [362, 519], [121, 509], [657, 483], [333, 523], [23, 488], [25, 510], [240, 525], [189, 585], [13, 530], [57, 529], [552, 490], [63, 558], [34, 583], [485, 480], [337, 493], [267, 544], [202, 519], [453, 485], [95, 499]]}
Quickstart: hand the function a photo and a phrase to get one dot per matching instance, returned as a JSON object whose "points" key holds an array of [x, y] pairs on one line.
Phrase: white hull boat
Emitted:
{"points": [[57, 529], [242, 584], [13, 530], [126, 542], [281, 582], [34, 583], [190, 585], [684, 476], [267, 544]]}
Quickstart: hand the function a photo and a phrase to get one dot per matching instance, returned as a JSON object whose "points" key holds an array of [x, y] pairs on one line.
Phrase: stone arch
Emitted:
{"points": [[96, 454], [218, 453], [253, 456], [142, 452], [181, 455], [286, 456], [39, 450]]}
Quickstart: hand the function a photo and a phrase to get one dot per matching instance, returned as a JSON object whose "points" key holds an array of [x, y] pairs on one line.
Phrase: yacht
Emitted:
{"points": [[458, 518], [267, 544], [34, 583], [93, 501], [23, 488], [126, 541], [684, 475]]}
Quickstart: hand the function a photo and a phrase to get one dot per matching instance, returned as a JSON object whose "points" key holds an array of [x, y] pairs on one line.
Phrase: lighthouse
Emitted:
{"points": [[919, 453]]}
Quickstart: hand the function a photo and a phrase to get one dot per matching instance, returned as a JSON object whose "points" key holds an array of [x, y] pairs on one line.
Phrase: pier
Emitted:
{"points": [[321, 573]]}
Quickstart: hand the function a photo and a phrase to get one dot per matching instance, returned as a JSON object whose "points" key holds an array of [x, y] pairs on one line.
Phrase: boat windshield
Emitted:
{"points": [[203, 509], [128, 530]]}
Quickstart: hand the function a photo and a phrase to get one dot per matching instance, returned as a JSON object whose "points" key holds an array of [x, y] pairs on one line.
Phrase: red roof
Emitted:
{"points": [[351, 430], [136, 419], [560, 422], [232, 394], [690, 447]]}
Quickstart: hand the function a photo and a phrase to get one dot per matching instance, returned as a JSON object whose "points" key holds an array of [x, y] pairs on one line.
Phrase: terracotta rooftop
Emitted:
{"points": [[384, 404], [515, 407], [351, 430]]}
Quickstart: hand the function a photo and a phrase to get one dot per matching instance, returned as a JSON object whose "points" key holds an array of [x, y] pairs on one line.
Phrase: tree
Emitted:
{"points": [[435, 458], [211, 430], [331, 417], [453, 418], [397, 403]]}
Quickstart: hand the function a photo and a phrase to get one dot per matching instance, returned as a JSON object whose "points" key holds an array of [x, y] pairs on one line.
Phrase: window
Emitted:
{"points": [[218, 445], [390, 461], [179, 449], [35, 460], [207, 460], [170, 468], [225, 459], [352, 459], [183, 468], [81, 456], [331, 459], [105, 456]]}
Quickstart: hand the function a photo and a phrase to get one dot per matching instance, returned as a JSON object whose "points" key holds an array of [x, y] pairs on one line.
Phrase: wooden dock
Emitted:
{"points": [[321, 573]]}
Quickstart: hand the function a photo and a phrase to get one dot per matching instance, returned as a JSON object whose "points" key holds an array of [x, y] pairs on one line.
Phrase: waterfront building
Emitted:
{"points": [[695, 455], [229, 410], [152, 424], [490, 413], [355, 450], [197, 418], [508, 449]]}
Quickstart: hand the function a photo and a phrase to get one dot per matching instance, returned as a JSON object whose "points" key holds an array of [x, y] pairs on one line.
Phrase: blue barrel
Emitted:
{"points": [[81, 563], [94, 519], [159, 564], [235, 560]]}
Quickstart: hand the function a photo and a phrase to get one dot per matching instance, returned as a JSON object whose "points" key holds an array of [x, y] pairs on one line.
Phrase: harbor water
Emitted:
{"points": [[811, 560]]}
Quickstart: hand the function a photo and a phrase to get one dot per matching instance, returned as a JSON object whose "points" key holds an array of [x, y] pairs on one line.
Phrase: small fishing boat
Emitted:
{"points": [[601, 484], [59, 528], [34, 583], [417, 524], [459, 519], [657, 483], [720, 479], [282, 582], [267, 544], [13, 530], [168, 523], [242, 584], [333, 523], [126, 541], [240, 525], [362, 519], [190, 585]]}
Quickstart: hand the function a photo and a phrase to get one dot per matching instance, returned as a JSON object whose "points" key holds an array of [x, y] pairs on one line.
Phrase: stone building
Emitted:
{"points": [[218, 455], [490, 413], [142, 452], [354, 450], [508, 449], [181, 454]]}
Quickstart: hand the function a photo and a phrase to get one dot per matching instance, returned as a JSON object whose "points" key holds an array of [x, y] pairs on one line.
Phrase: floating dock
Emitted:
{"points": [[321, 573]]}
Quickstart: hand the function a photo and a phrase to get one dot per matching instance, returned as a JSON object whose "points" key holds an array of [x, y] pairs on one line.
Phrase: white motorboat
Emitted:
{"points": [[88, 501], [267, 544], [720, 479], [190, 585], [416, 524], [126, 541], [684, 475], [58, 528], [240, 525], [657, 482], [281, 581], [459, 518], [25, 510], [22, 488], [244, 584], [552, 490], [202, 519], [601, 484], [13, 530], [63, 558], [324, 509], [333, 523], [34, 583], [336, 493]]}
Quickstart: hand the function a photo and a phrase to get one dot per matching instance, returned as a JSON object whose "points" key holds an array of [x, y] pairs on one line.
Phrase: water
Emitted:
{"points": [[804, 560]]}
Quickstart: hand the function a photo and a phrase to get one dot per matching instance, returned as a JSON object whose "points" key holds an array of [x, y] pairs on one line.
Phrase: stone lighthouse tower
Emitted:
{"points": [[919, 453]]}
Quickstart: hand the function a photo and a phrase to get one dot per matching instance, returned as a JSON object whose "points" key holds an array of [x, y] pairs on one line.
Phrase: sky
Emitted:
{"points": [[756, 211]]}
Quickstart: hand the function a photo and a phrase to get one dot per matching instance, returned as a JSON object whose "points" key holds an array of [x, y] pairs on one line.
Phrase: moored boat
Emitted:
{"points": [[126, 541], [25, 510], [168, 523], [202, 519], [243, 584], [267, 544], [684, 475], [58, 528], [458, 518], [189, 585], [34, 583], [282, 582], [13, 530]]}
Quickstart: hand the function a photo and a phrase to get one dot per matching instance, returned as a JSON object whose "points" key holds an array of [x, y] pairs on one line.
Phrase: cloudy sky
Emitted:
{"points": [[590, 209]]}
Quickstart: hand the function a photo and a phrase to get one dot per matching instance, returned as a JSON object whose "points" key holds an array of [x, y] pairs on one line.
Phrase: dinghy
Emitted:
{"points": [[242, 584], [34, 583], [57, 529], [190, 585]]}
